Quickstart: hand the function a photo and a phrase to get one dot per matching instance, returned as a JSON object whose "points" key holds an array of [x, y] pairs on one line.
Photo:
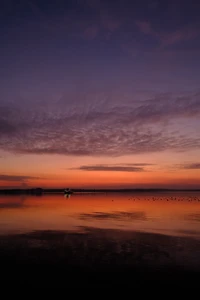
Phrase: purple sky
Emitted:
{"points": [[98, 83]]}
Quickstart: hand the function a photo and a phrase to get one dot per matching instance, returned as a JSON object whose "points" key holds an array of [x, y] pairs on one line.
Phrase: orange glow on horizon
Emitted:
{"points": [[60, 171]]}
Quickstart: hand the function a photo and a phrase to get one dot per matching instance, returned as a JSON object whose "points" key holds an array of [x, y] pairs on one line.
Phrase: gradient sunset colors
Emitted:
{"points": [[176, 214], [100, 94]]}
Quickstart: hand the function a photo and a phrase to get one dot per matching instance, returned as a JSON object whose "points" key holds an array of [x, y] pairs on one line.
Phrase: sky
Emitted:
{"points": [[100, 94]]}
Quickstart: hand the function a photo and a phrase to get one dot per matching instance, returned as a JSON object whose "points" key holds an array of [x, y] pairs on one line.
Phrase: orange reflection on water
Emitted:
{"points": [[167, 213]]}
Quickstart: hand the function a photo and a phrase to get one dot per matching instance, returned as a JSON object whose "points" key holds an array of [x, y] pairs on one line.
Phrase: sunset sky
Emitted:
{"points": [[100, 94]]}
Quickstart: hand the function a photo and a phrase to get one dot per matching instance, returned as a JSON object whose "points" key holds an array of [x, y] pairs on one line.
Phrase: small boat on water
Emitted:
{"points": [[68, 191]]}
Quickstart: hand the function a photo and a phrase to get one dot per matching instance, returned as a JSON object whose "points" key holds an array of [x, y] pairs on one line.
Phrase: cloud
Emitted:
{"points": [[117, 168], [191, 166], [15, 178], [138, 164], [184, 33], [88, 18], [98, 130], [179, 35]]}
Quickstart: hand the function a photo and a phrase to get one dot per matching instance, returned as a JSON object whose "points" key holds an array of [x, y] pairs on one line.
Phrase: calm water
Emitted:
{"points": [[171, 213]]}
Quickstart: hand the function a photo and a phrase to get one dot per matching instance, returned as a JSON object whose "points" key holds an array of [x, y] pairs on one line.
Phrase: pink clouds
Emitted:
{"points": [[180, 35], [169, 38]]}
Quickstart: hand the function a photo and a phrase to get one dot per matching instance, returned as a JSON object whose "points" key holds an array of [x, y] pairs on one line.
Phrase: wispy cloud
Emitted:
{"points": [[179, 35], [184, 33], [15, 178], [103, 17], [141, 127], [190, 166]]}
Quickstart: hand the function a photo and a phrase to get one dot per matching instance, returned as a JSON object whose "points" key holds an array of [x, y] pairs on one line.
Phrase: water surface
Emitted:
{"points": [[169, 213]]}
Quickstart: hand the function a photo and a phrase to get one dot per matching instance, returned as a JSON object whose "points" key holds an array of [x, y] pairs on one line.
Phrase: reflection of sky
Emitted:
{"points": [[120, 216], [99, 83], [171, 214]]}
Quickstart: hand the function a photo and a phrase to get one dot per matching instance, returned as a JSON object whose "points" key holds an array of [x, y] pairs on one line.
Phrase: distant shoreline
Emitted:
{"points": [[40, 191]]}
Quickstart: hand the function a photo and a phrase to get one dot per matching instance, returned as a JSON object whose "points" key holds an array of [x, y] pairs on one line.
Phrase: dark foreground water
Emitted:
{"points": [[97, 239]]}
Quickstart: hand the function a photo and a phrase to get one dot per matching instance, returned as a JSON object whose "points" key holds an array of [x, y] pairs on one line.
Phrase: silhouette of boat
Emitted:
{"points": [[68, 191]]}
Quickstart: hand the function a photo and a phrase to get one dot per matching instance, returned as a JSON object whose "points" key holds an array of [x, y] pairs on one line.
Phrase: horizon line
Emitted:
{"points": [[98, 189]]}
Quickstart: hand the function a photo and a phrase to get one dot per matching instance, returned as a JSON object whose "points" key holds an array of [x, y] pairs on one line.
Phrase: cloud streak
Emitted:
{"points": [[179, 35], [170, 38], [191, 166], [111, 168], [116, 168], [15, 178]]}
